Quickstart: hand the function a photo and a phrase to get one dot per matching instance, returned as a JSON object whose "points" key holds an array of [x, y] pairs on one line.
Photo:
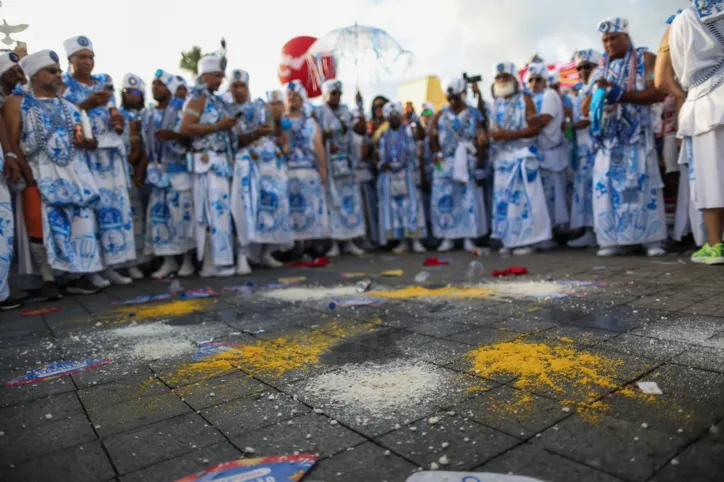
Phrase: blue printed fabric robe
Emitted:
{"points": [[7, 233], [520, 214], [260, 201], [628, 201], [212, 157], [585, 157], [401, 214], [68, 192], [109, 167], [170, 213], [344, 199], [307, 200], [457, 204], [135, 193]]}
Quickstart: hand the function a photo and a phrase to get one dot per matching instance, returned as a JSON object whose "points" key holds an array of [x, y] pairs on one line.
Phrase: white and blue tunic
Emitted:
{"points": [[7, 233], [628, 203], [170, 213], [457, 204], [307, 201], [585, 155], [109, 168], [68, 191], [401, 213], [134, 192], [260, 201], [520, 213], [212, 157], [344, 200]]}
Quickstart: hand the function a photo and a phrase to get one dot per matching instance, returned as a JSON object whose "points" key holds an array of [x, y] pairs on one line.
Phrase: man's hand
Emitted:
{"points": [[226, 123], [96, 99], [263, 130], [603, 83], [438, 159], [118, 122], [165, 135], [333, 149], [139, 174], [499, 135], [12, 170]]}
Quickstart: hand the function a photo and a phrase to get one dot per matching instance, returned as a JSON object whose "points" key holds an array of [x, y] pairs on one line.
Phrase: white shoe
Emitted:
{"points": [[523, 251], [547, 245], [115, 277], [242, 265], [217, 272], [334, 250], [609, 252], [135, 273], [98, 281], [417, 247], [401, 248], [169, 267], [586, 241], [351, 248], [187, 267], [504, 251], [270, 261], [655, 249], [447, 245]]}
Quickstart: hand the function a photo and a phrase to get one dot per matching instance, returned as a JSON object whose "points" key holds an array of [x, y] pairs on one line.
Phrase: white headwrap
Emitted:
{"points": [[132, 81], [392, 108], [76, 44], [169, 80], [456, 87], [209, 64], [554, 77], [182, 82], [298, 87], [537, 69], [33, 63], [8, 60], [239, 75], [274, 96], [331, 85], [504, 68], [613, 25], [587, 56]]}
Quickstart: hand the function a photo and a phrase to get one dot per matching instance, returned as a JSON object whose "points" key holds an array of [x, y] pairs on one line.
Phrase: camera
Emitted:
{"points": [[473, 79]]}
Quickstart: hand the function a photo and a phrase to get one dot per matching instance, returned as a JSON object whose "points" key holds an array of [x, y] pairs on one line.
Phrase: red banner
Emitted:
{"points": [[567, 71]]}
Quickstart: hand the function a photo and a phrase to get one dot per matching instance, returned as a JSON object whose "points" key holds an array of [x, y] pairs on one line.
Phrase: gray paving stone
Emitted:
{"points": [[620, 319], [467, 443], [652, 348], [482, 335], [392, 340], [438, 328], [30, 414], [439, 352], [187, 464], [607, 444], [306, 433], [524, 325], [365, 463], [702, 462], [693, 384], [121, 391], [83, 463], [219, 390], [33, 391], [531, 461], [136, 413], [160, 441]]}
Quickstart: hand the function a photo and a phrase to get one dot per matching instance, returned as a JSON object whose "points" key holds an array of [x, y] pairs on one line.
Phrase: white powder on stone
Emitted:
{"points": [[145, 330], [380, 391], [307, 293], [158, 349], [532, 289]]}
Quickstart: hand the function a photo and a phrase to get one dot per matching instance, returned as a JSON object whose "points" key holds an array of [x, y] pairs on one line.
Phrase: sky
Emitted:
{"points": [[446, 37]]}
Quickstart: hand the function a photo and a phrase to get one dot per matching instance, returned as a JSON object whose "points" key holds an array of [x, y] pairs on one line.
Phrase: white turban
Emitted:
{"points": [[33, 63], [456, 87], [587, 56], [537, 69], [504, 68], [613, 25], [76, 44], [554, 77], [209, 64], [274, 96], [239, 75], [8, 60], [331, 85], [132, 81], [169, 80], [298, 87], [392, 108]]}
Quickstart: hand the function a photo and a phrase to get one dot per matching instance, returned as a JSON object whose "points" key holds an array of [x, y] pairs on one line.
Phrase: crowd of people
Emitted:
{"points": [[225, 181]]}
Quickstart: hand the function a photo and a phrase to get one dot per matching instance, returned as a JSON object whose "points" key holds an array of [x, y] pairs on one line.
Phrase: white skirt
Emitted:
{"points": [[708, 155]]}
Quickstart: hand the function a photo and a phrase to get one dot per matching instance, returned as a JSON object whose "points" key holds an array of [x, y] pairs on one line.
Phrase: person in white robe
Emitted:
{"points": [[520, 212], [170, 213], [61, 198], [552, 147], [696, 51], [210, 127], [93, 93], [587, 62], [344, 199], [628, 203]]}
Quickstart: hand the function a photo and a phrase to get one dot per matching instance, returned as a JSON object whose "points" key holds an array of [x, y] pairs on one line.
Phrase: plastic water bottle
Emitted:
{"points": [[475, 271]]}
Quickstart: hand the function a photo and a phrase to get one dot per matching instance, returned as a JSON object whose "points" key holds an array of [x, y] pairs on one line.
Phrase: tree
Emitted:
{"points": [[190, 60]]}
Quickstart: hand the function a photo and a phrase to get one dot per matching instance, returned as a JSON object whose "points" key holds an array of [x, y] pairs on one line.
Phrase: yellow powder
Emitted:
{"points": [[158, 310], [446, 292]]}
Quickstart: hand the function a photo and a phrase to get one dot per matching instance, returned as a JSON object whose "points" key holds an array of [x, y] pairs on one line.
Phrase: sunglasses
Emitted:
{"points": [[53, 70], [132, 91], [584, 67], [535, 80]]}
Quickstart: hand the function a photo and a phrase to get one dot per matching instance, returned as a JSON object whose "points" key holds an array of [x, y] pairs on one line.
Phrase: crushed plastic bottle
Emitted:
{"points": [[175, 287], [475, 271], [422, 276]]}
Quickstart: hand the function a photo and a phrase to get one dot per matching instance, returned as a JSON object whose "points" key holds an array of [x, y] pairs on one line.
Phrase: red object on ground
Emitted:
{"points": [[295, 65], [320, 262], [41, 311], [513, 270], [435, 261]]}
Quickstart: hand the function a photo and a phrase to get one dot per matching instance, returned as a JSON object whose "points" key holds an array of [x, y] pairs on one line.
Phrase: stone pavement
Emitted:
{"points": [[150, 416]]}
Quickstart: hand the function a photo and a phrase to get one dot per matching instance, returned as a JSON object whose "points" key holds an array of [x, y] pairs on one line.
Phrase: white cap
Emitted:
{"points": [[33, 63], [456, 87], [209, 64], [587, 56], [392, 108], [238, 75], [76, 44], [8, 60], [274, 96], [554, 77], [504, 68], [331, 85], [169, 80], [132, 81], [613, 25], [298, 87]]}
